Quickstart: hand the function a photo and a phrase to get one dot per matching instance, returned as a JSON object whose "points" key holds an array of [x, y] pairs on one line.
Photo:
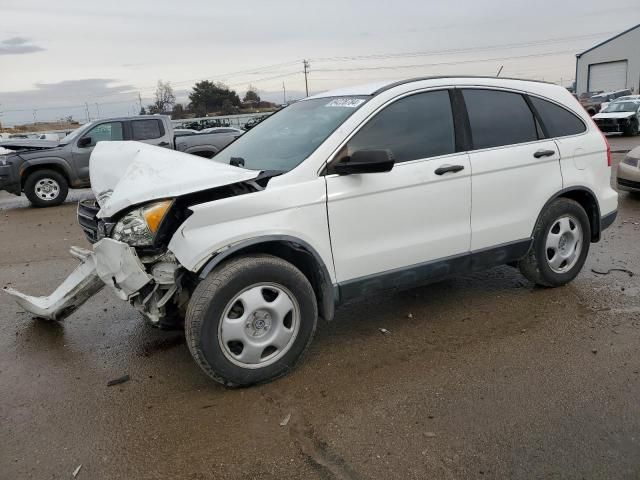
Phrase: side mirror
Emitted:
{"points": [[365, 161], [84, 142]]}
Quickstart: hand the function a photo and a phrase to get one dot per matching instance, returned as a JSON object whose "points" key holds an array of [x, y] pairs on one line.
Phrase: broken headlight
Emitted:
{"points": [[138, 227]]}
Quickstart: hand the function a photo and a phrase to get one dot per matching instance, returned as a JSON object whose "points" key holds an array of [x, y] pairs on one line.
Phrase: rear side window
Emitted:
{"points": [[499, 118], [558, 121], [146, 129], [414, 127]]}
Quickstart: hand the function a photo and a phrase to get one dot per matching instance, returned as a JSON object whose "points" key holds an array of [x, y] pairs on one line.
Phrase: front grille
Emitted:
{"points": [[87, 210], [628, 183]]}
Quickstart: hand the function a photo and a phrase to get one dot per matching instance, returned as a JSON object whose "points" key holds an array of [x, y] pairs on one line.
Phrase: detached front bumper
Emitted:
{"points": [[111, 263]]}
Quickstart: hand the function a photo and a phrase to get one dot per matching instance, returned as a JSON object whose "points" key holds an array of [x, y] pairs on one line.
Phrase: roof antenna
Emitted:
{"points": [[499, 70]]}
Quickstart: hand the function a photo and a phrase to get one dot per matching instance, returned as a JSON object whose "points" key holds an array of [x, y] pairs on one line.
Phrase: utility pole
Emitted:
{"points": [[86, 108], [98, 109], [34, 117], [305, 64], [140, 101], [284, 94]]}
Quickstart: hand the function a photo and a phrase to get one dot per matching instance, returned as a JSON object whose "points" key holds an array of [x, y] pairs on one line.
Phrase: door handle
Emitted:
{"points": [[448, 168], [544, 153], [163, 144]]}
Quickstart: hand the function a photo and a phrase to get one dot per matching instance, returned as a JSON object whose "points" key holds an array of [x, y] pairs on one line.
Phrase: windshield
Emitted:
{"points": [[285, 139], [69, 138], [621, 107]]}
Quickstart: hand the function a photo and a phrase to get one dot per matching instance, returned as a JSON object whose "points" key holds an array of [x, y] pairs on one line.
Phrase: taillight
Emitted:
{"points": [[608, 149], [606, 142]]}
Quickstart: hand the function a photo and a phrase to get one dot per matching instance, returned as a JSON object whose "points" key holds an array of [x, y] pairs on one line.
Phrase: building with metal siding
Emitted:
{"points": [[611, 65]]}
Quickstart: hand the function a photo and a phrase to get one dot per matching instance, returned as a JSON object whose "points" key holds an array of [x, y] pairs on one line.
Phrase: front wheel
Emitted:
{"points": [[46, 188], [251, 320], [561, 242]]}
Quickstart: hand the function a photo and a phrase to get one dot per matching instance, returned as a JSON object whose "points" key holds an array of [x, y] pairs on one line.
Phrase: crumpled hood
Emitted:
{"points": [[613, 115], [128, 173]]}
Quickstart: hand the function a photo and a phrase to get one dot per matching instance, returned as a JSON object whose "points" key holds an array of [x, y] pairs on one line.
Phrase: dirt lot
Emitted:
{"points": [[482, 376]]}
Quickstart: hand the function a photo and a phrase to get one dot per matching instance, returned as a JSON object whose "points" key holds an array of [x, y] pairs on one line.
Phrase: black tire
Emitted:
{"points": [[632, 129], [211, 299], [55, 180], [535, 265]]}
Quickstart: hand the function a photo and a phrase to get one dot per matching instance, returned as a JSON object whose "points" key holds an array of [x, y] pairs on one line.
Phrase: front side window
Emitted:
{"points": [[414, 127], [558, 121], [146, 129], [105, 132], [285, 139], [499, 118]]}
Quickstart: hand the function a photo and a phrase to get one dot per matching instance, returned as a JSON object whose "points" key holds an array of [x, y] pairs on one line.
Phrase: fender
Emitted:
{"points": [[328, 294], [594, 216], [44, 161]]}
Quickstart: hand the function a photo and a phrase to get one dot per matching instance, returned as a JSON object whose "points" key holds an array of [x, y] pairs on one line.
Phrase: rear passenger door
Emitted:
{"points": [[515, 169], [151, 131], [386, 227]]}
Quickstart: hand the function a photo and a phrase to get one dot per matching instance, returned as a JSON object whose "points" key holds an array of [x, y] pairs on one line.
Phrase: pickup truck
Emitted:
{"points": [[46, 171]]}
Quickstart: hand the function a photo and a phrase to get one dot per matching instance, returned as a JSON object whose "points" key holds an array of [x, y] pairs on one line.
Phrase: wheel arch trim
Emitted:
{"points": [[594, 217], [328, 295]]}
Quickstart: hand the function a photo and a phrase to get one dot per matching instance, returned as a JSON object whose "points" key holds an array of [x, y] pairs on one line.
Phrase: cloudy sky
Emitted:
{"points": [[55, 56]]}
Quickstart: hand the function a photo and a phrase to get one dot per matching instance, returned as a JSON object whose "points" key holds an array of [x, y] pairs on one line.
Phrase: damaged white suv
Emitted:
{"points": [[337, 197]]}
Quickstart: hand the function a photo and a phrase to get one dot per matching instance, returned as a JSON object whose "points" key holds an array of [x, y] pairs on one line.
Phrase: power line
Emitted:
{"points": [[460, 62], [508, 46]]}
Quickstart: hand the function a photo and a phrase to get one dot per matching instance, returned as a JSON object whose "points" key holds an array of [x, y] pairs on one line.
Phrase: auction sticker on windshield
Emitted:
{"points": [[345, 102]]}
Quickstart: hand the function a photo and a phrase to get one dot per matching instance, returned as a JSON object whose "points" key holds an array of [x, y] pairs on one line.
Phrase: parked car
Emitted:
{"points": [[618, 96], [628, 174], [45, 170], [337, 197], [595, 103], [620, 117]]}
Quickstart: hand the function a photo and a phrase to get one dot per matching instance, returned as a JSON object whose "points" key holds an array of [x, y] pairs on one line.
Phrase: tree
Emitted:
{"points": [[207, 96], [178, 112], [252, 95], [143, 111], [228, 108], [164, 98]]}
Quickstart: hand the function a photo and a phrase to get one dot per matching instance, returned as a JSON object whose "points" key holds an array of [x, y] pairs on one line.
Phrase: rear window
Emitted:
{"points": [[499, 118], [558, 121], [146, 129]]}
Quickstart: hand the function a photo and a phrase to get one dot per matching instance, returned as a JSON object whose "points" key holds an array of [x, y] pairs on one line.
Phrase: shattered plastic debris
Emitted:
{"points": [[285, 420], [384, 331], [76, 471], [118, 381]]}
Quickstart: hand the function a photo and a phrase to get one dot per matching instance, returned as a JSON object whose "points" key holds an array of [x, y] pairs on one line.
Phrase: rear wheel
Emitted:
{"points": [[251, 320], [561, 242], [46, 188]]}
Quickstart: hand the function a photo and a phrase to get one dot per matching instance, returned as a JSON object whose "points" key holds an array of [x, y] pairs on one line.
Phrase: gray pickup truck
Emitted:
{"points": [[46, 171]]}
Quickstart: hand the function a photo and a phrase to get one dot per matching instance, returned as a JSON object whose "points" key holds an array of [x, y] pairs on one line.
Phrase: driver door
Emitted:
{"points": [[412, 223], [102, 132]]}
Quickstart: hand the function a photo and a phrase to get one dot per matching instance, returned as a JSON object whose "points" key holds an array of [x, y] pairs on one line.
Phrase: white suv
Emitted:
{"points": [[336, 197]]}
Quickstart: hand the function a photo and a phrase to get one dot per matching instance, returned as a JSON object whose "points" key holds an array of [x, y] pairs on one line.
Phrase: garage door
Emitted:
{"points": [[607, 76]]}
